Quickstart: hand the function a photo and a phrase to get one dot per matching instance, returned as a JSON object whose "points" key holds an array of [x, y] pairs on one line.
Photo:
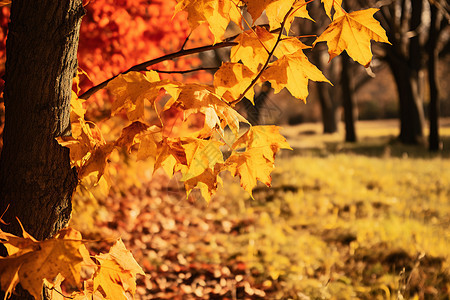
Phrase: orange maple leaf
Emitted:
{"points": [[353, 32]]}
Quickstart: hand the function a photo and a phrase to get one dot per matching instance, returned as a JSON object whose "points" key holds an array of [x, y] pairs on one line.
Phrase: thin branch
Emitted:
{"points": [[143, 66], [187, 71], [186, 40]]}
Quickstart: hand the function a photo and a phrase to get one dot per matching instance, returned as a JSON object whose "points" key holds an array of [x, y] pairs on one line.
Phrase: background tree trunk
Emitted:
{"points": [[328, 105], [402, 19], [348, 99], [433, 115], [36, 179]]}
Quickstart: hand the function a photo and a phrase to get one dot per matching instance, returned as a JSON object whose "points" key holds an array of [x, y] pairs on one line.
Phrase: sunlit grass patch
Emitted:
{"points": [[350, 224]]}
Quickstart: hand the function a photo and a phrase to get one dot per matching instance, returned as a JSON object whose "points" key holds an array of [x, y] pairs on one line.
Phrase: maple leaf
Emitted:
{"points": [[200, 155], [217, 14], [117, 272], [253, 50], [353, 32], [207, 182], [77, 110], [30, 262], [257, 161], [129, 133], [293, 72], [170, 155], [89, 151], [231, 80], [148, 143], [277, 10], [132, 89], [251, 166], [197, 98], [266, 138], [329, 5]]}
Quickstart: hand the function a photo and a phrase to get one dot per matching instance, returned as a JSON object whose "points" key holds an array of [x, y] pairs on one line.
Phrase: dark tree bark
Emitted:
{"points": [[433, 115], [348, 99], [405, 60], [328, 105], [36, 180]]}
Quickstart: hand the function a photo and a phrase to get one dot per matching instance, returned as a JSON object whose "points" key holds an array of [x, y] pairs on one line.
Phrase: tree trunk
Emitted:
{"points": [[348, 100], [405, 61], [36, 180], [433, 116], [328, 106], [410, 106]]}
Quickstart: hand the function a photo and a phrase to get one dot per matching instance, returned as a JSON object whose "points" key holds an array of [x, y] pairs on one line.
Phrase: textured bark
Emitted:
{"points": [[36, 180]]}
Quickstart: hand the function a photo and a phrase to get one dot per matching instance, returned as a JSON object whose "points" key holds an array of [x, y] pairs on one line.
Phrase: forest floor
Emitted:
{"points": [[368, 220]]}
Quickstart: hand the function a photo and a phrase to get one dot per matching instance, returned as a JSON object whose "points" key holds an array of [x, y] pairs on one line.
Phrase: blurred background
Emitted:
{"points": [[359, 209]]}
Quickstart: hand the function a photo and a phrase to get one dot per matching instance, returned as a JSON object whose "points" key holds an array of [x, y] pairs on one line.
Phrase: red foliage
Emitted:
{"points": [[117, 34]]}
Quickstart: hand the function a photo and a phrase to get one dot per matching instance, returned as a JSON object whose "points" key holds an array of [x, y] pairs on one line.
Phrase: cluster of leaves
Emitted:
{"points": [[64, 258], [206, 125], [262, 53]]}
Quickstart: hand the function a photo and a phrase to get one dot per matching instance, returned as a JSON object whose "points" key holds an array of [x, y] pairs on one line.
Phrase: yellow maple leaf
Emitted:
{"points": [[170, 155], [117, 272], [31, 261], [198, 98], [253, 50], [329, 5], [231, 80], [89, 151], [132, 89], [353, 32], [207, 182], [277, 10], [129, 133], [148, 143], [267, 138], [77, 110], [254, 46], [217, 14], [200, 155], [251, 166], [293, 72], [257, 161]]}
